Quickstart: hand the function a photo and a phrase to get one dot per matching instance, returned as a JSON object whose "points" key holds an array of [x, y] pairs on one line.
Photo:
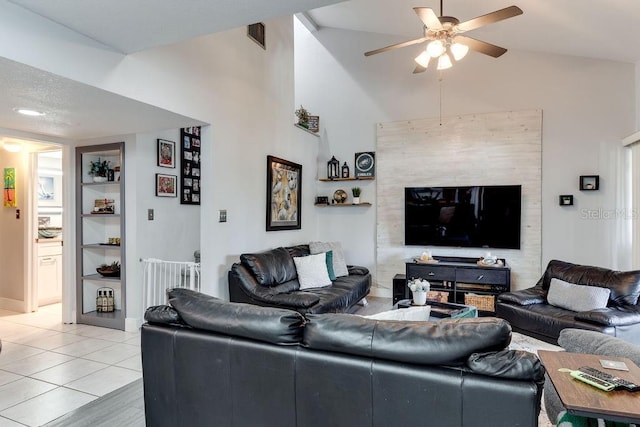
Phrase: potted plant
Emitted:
{"points": [[303, 117], [419, 288], [109, 270], [356, 195], [99, 170]]}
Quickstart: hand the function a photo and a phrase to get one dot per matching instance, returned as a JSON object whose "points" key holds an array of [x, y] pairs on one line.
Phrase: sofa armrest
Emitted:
{"points": [[241, 277], [512, 364], [535, 295], [592, 342], [612, 316], [358, 270]]}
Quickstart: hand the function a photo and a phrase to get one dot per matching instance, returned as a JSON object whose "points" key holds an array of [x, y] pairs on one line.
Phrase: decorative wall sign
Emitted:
{"points": [[166, 185], [166, 153], [190, 170], [365, 164], [284, 194], [314, 123], [10, 188]]}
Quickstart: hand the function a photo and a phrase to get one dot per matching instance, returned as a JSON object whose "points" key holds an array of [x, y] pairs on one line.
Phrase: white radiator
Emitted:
{"points": [[161, 275]]}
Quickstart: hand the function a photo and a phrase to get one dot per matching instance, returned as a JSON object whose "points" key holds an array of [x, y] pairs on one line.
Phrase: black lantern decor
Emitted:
{"points": [[345, 170], [333, 166]]}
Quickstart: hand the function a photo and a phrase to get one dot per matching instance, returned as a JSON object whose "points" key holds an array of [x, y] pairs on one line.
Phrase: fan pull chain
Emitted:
{"points": [[440, 78]]}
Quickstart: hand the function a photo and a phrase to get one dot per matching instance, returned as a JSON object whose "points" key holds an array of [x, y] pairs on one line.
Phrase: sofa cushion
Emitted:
{"points": [[274, 325], [312, 271], [339, 263], [624, 285], [447, 342], [329, 262], [512, 364], [270, 267], [577, 297]]}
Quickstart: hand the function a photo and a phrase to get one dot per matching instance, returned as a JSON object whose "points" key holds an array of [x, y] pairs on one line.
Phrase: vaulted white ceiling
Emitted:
{"points": [[607, 30]]}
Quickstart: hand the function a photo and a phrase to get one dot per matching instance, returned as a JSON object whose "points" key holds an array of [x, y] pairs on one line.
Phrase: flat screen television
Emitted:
{"points": [[486, 216]]}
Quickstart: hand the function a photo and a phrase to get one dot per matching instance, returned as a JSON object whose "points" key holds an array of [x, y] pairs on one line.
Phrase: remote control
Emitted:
{"points": [[592, 381], [619, 382]]}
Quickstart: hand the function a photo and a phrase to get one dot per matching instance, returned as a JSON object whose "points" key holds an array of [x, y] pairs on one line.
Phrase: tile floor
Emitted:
{"points": [[48, 368]]}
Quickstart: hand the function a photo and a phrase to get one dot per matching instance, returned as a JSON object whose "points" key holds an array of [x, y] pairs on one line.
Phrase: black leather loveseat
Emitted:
{"points": [[529, 312], [207, 362], [270, 279]]}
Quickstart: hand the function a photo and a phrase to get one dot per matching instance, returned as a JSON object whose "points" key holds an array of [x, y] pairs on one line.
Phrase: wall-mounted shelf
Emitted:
{"points": [[307, 130], [368, 178], [342, 205]]}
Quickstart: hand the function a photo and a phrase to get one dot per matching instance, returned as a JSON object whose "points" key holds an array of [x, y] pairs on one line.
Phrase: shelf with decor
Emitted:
{"points": [[343, 205], [363, 178], [307, 130], [100, 295]]}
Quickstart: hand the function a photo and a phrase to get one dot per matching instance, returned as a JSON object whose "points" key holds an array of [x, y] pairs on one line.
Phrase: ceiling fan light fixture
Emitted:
{"points": [[423, 59], [435, 48], [444, 62], [459, 51]]}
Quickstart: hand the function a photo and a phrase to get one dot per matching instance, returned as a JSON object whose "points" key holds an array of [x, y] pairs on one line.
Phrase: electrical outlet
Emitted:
{"points": [[223, 216], [150, 214]]}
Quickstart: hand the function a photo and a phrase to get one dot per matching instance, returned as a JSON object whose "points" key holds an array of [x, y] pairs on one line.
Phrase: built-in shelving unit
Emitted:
{"points": [[93, 231]]}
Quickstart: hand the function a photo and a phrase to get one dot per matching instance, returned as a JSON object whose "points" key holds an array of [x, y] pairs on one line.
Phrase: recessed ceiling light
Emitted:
{"points": [[28, 112]]}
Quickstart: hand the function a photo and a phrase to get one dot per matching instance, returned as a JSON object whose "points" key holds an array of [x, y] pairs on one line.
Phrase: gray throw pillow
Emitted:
{"points": [[577, 297], [339, 263]]}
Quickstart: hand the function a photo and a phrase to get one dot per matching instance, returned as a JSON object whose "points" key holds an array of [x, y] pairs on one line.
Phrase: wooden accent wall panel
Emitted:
{"points": [[481, 149]]}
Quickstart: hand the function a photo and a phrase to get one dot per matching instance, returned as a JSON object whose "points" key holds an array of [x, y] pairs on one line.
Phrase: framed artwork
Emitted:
{"points": [[166, 153], [10, 188], [365, 164], [49, 190], [166, 185], [284, 194], [190, 170]]}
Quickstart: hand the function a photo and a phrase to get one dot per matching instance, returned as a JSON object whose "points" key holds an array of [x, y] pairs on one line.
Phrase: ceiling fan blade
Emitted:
{"points": [[396, 46], [419, 69], [428, 17], [489, 18], [480, 46]]}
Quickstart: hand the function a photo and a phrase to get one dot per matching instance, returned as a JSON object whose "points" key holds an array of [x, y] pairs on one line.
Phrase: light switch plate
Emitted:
{"points": [[150, 214], [222, 216]]}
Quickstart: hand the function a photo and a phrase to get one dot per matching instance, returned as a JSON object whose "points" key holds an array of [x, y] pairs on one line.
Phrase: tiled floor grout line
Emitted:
{"points": [[19, 326]]}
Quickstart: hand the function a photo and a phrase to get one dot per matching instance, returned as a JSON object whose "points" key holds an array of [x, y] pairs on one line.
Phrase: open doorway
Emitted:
{"points": [[31, 224]]}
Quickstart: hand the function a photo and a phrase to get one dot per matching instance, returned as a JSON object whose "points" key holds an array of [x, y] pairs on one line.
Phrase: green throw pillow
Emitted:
{"points": [[329, 259]]}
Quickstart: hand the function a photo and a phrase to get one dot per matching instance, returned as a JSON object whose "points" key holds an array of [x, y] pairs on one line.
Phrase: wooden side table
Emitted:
{"points": [[584, 400]]}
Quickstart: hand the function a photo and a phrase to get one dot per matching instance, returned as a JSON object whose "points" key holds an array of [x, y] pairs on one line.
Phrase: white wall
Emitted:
{"points": [[245, 92], [588, 105]]}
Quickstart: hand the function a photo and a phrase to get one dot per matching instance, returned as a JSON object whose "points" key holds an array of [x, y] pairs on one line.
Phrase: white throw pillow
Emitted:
{"points": [[339, 263], [312, 271], [577, 297]]}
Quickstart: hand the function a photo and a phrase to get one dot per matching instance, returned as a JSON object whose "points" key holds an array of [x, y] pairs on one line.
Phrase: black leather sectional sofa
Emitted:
{"points": [[270, 279], [529, 312], [207, 362]]}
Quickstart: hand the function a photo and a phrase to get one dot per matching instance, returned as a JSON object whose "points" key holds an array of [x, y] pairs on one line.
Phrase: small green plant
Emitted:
{"points": [[98, 168], [114, 266], [303, 117], [356, 191]]}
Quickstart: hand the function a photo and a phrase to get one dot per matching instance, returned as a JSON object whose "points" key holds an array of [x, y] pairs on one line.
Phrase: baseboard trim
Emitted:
{"points": [[13, 305]]}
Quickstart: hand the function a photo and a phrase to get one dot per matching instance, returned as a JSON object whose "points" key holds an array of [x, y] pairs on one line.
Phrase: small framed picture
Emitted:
{"points": [[314, 123], [166, 185], [566, 200], [166, 153]]}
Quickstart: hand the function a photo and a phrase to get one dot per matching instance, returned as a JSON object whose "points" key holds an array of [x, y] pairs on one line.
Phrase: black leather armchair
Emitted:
{"points": [[529, 312], [270, 279], [207, 362]]}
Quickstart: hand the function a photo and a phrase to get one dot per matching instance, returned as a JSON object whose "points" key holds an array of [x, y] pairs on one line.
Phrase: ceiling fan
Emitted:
{"points": [[445, 40]]}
